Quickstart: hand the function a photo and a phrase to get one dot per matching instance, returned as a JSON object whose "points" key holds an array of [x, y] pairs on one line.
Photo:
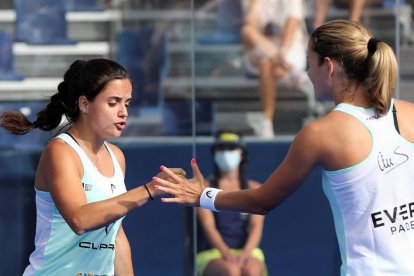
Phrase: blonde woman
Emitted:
{"points": [[365, 147]]}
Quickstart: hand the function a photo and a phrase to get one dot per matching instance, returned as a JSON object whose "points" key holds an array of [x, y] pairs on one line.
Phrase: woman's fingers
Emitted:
{"points": [[173, 173], [174, 190], [178, 171], [164, 185], [183, 190], [196, 171]]}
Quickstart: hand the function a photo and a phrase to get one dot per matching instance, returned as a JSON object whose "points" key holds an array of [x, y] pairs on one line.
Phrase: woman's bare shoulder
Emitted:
{"points": [[404, 105], [58, 154], [405, 113], [59, 148], [323, 140], [57, 160], [334, 123]]}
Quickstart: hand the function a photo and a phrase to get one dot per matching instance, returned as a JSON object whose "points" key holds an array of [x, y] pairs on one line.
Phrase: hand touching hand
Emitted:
{"points": [[165, 176], [184, 191]]}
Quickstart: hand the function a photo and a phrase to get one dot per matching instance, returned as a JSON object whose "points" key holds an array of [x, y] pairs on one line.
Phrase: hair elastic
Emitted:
{"points": [[372, 45], [150, 196]]}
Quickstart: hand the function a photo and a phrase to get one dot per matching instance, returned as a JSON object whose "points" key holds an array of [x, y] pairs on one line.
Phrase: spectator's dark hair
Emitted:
{"points": [[83, 78]]}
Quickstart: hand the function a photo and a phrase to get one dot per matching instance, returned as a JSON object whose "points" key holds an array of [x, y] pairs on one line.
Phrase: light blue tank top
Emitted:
{"points": [[59, 251], [373, 202]]}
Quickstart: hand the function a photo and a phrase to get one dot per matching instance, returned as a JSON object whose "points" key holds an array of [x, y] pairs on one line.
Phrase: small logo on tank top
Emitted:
{"points": [[96, 246], [108, 228], [374, 117], [87, 187]]}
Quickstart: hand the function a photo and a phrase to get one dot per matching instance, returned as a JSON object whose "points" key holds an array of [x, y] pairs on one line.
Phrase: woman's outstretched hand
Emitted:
{"points": [[184, 191], [163, 175]]}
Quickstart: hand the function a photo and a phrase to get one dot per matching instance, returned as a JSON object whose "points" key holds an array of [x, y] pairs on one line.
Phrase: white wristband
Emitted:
{"points": [[207, 198]]}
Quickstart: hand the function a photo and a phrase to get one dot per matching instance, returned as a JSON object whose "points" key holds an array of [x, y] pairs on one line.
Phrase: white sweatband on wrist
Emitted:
{"points": [[207, 198]]}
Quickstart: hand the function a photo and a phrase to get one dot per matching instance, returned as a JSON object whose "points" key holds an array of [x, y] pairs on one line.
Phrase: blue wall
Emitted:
{"points": [[298, 239]]}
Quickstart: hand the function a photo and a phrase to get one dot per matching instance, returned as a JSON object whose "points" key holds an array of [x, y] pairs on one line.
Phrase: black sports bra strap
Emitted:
{"points": [[394, 111]]}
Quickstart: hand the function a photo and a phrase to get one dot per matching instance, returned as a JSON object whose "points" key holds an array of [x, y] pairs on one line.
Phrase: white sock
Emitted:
{"points": [[267, 130]]}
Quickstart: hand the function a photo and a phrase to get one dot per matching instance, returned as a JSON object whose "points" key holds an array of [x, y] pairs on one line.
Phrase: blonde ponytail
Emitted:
{"points": [[367, 61], [381, 77]]}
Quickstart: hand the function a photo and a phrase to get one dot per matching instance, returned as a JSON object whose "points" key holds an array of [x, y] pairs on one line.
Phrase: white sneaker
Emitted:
{"points": [[294, 79], [261, 126], [267, 129]]}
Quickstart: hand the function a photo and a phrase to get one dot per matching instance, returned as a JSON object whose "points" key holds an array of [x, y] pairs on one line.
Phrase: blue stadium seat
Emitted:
{"points": [[177, 118], [7, 58], [82, 5], [144, 54], [391, 3], [229, 21], [41, 22]]}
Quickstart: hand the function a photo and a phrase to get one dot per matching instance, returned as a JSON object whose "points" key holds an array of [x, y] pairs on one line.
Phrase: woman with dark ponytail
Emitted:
{"points": [[365, 149], [81, 196]]}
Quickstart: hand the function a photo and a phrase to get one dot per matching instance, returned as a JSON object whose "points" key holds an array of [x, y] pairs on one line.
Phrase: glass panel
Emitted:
{"points": [[153, 39], [163, 35], [227, 88], [228, 85], [158, 33]]}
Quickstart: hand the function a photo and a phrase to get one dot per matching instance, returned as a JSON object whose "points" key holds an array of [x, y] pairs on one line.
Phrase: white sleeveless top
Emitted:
{"points": [[373, 202], [59, 251]]}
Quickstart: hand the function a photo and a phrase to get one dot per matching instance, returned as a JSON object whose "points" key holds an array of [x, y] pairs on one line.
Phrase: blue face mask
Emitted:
{"points": [[227, 160]]}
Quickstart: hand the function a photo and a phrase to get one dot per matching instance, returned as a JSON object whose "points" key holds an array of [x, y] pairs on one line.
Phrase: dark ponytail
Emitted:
{"points": [[16, 123], [50, 117]]}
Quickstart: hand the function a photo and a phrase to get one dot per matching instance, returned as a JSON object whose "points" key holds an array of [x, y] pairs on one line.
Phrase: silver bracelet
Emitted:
{"points": [[207, 198]]}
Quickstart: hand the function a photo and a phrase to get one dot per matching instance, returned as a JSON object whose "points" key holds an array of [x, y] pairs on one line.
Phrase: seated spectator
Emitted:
{"points": [[228, 242], [274, 38]]}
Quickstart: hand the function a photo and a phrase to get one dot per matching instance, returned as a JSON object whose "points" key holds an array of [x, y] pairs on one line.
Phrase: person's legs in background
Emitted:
{"points": [[267, 97], [254, 267], [222, 267], [355, 8], [259, 64], [320, 11]]}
